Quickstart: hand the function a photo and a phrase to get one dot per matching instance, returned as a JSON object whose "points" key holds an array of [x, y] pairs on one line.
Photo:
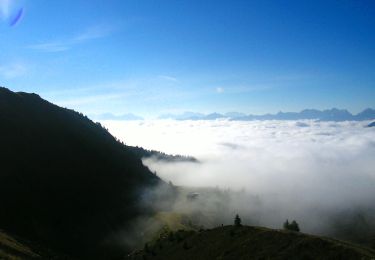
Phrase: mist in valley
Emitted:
{"points": [[318, 173]]}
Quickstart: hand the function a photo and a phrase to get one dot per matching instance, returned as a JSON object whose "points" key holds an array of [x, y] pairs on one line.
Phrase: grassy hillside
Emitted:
{"points": [[65, 181], [15, 248], [10, 248], [247, 242]]}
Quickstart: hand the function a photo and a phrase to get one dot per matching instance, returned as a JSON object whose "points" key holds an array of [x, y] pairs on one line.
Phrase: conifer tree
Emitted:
{"points": [[237, 221]]}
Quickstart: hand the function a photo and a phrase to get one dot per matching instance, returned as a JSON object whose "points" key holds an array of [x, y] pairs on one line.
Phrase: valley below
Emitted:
{"points": [[71, 188]]}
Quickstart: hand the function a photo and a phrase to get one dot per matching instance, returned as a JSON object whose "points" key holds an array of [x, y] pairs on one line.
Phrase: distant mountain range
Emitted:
{"points": [[333, 114], [201, 116]]}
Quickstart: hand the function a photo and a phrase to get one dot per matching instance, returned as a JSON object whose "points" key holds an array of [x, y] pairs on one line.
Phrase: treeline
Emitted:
{"points": [[144, 153]]}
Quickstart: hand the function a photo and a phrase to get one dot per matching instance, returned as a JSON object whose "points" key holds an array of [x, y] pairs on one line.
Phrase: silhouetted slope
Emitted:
{"points": [[64, 180], [246, 242]]}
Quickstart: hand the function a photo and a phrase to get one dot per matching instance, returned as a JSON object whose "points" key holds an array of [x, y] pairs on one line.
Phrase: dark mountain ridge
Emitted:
{"points": [[64, 180]]}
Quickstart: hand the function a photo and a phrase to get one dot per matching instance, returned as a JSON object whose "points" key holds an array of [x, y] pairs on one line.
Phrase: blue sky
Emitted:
{"points": [[154, 57]]}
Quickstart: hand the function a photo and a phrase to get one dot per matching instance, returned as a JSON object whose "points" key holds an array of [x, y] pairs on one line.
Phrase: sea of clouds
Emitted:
{"points": [[305, 170]]}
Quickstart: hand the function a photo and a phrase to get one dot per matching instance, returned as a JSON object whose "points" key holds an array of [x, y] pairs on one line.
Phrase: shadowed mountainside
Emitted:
{"points": [[65, 181]]}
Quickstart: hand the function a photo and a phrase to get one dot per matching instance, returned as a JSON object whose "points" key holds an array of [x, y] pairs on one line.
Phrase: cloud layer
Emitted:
{"points": [[299, 169]]}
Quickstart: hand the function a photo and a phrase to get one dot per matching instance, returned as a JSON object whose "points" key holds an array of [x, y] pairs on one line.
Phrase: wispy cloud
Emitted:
{"points": [[93, 33], [168, 78], [12, 70], [87, 89], [68, 43], [243, 88], [219, 90], [89, 99], [51, 47]]}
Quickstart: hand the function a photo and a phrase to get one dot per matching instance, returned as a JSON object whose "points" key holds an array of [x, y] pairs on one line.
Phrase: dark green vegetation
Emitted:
{"points": [[293, 226], [247, 242], [65, 182], [144, 153]]}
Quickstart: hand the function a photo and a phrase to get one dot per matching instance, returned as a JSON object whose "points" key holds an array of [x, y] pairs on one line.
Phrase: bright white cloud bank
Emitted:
{"points": [[297, 166]]}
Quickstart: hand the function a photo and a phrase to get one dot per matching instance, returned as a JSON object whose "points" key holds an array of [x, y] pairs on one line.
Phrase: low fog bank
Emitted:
{"points": [[319, 173]]}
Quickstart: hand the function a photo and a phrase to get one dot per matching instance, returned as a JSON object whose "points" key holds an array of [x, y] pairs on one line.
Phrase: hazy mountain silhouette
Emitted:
{"points": [[64, 180], [366, 114], [213, 116], [183, 116], [333, 114], [371, 124], [234, 114]]}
